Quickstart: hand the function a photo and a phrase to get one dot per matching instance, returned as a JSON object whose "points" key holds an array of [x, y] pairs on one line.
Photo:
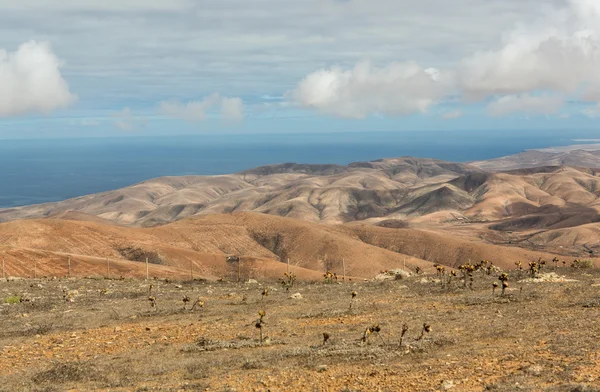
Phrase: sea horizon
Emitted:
{"points": [[38, 171]]}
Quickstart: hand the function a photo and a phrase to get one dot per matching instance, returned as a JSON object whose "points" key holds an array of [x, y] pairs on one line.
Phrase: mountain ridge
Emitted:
{"points": [[404, 188]]}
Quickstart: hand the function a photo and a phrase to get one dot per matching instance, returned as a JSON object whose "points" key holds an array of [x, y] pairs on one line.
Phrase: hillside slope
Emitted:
{"points": [[325, 193], [265, 243], [535, 158], [420, 193]]}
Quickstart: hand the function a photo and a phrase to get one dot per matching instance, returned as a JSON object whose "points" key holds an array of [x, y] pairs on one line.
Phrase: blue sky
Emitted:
{"points": [[134, 67]]}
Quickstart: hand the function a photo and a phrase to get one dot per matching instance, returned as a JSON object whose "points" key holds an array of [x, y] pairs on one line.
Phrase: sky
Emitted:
{"points": [[104, 68]]}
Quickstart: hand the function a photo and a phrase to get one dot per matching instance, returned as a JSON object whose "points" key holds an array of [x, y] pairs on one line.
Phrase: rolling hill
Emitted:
{"points": [[364, 217], [317, 193], [540, 158], [407, 189], [200, 245]]}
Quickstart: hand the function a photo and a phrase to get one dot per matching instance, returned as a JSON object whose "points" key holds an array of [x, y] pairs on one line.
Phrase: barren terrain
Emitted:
{"points": [[198, 247], [77, 314], [97, 334]]}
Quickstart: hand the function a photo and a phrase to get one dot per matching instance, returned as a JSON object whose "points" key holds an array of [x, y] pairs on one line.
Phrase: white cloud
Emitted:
{"points": [[139, 51], [452, 114], [526, 104], [190, 111], [559, 52], [30, 81], [231, 108], [398, 89]]}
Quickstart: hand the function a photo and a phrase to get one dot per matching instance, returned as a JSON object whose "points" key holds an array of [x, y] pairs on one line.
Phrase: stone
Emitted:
{"points": [[535, 370], [321, 368]]}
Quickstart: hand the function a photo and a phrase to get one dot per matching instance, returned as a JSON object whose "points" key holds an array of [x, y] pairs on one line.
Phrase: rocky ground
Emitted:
{"points": [[97, 334]]}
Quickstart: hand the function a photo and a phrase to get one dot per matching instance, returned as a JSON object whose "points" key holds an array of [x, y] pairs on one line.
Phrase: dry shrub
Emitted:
{"points": [[62, 373], [196, 370], [41, 329], [583, 264]]}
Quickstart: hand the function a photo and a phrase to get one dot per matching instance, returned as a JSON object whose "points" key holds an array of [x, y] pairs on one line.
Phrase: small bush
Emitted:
{"points": [[196, 371], [140, 255], [585, 263], [41, 329], [67, 372], [14, 299]]}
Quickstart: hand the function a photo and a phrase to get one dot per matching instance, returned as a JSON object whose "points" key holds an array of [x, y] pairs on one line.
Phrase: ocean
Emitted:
{"points": [[39, 171]]}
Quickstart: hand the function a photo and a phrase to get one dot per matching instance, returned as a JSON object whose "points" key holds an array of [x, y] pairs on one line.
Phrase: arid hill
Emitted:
{"points": [[317, 193], [199, 246], [404, 189], [366, 217], [535, 158], [265, 243]]}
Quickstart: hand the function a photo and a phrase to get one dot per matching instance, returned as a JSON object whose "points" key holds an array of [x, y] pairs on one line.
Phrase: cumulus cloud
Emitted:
{"points": [[535, 65], [397, 89], [231, 108], [30, 81], [559, 52], [556, 52], [189, 111], [526, 104]]}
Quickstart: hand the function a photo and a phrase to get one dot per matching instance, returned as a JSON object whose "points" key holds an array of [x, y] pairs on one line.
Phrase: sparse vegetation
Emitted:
{"points": [[534, 269], [198, 303], [503, 278], [260, 324], [402, 333], [353, 295], [264, 293], [133, 253], [467, 270], [124, 347], [13, 299], [582, 263], [330, 277], [426, 329], [374, 329], [288, 280]]}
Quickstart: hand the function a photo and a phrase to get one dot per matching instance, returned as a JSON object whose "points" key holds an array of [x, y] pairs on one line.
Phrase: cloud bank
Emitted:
{"points": [[526, 104], [231, 108], [534, 67], [30, 81], [420, 54], [397, 89]]}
